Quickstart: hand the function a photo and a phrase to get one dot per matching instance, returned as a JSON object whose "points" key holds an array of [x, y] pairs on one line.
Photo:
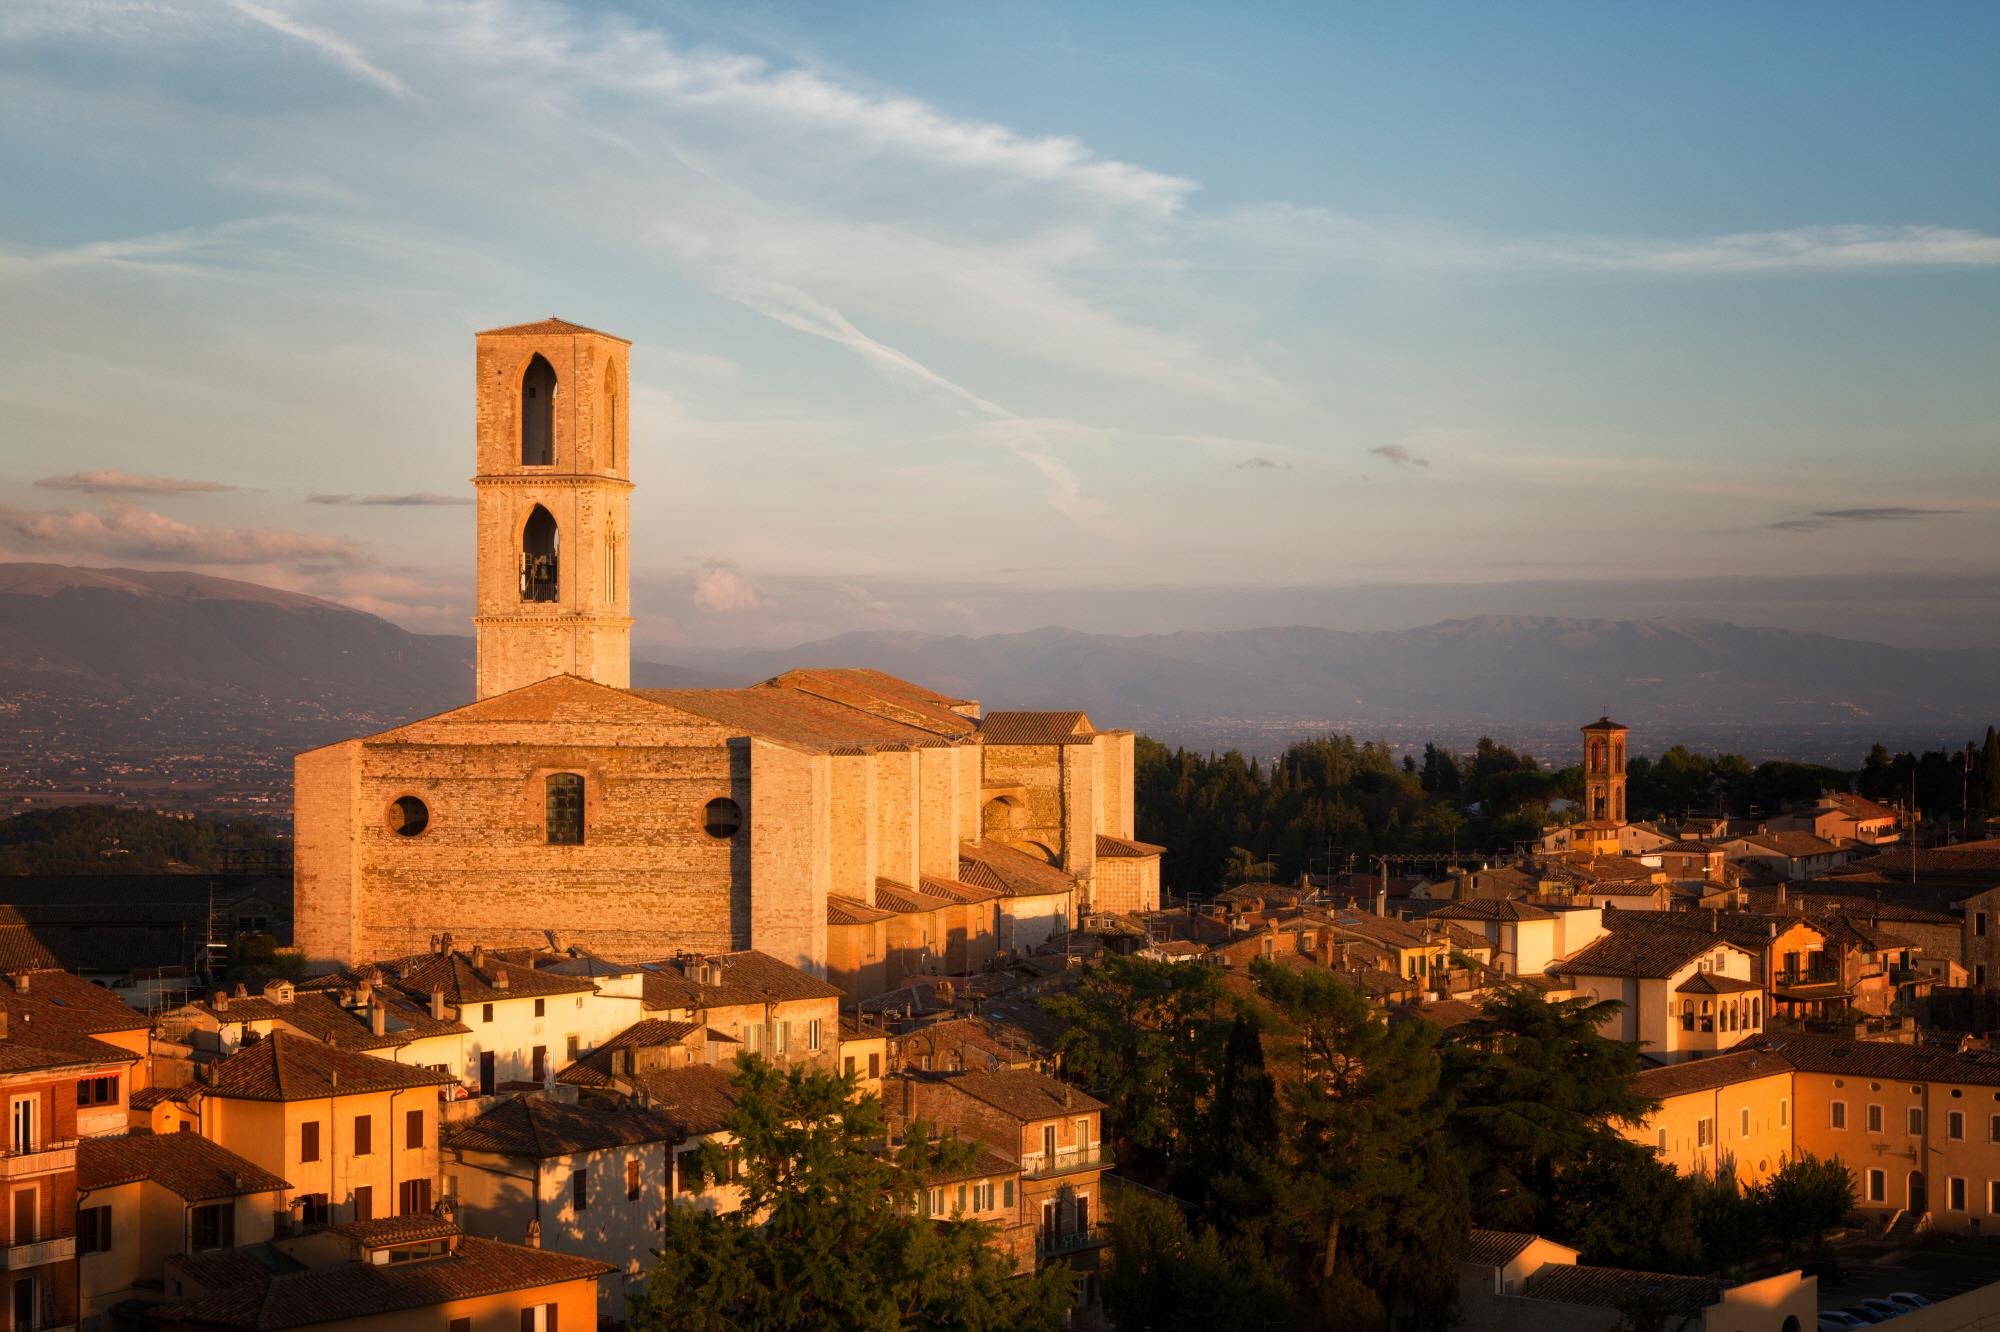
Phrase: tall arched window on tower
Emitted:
{"points": [[538, 414], [610, 418], [540, 579]]}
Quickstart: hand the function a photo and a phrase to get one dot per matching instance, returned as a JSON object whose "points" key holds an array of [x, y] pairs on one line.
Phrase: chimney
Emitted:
{"points": [[220, 1001], [534, 1235], [378, 1018], [437, 1005], [478, 956], [500, 981], [3, 1024], [1782, 895], [1069, 1098], [22, 981]]}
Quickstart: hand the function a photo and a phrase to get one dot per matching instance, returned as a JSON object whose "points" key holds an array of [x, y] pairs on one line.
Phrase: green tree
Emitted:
{"points": [[1161, 1276], [1988, 789], [1236, 1172], [1373, 1210], [828, 1234], [1808, 1196], [1147, 1037], [1538, 1089]]}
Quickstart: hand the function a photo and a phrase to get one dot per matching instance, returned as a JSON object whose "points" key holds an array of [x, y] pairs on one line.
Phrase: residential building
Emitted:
{"points": [[1682, 993], [357, 1136], [1728, 1114], [522, 1022], [588, 1179], [1049, 1131], [146, 1198], [402, 1274], [1516, 1282], [367, 1018]]}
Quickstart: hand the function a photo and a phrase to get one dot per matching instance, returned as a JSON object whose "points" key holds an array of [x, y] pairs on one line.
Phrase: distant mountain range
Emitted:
{"points": [[94, 657]]}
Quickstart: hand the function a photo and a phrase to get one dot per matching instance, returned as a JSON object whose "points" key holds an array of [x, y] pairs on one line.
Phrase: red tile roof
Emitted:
{"points": [[1024, 1094], [1009, 872], [1036, 728], [551, 326], [184, 1163], [285, 1067], [850, 911], [244, 1292], [1495, 1248], [535, 1126], [697, 1099], [1723, 1070], [1124, 848]]}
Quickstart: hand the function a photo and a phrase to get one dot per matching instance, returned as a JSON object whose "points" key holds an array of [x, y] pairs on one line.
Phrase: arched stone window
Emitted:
{"points": [[1757, 1011], [540, 549], [563, 794], [1687, 1015], [1618, 806], [610, 463], [1597, 756], [538, 414]]}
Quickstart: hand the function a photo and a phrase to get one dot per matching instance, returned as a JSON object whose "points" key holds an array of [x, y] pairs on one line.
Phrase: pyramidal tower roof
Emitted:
{"points": [[545, 327]]}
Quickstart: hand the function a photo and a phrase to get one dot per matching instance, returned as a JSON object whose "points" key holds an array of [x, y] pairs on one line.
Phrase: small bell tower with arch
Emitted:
{"points": [[554, 506], [1604, 772]]}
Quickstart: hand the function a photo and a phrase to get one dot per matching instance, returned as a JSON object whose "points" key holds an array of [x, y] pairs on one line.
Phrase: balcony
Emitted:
{"points": [[1040, 1165], [42, 1250], [1054, 1244], [44, 1159]]}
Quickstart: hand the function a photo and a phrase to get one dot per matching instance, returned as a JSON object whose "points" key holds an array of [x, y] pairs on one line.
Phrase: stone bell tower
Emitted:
{"points": [[554, 506], [1604, 771]]}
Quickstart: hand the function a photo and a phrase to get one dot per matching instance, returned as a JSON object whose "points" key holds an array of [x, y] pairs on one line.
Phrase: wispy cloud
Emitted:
{"points": [[1399, 455], [107, 482], [1321, 237], [1255, 464], [129, 533], [422, 499], [332, 45], [1824, 518]]}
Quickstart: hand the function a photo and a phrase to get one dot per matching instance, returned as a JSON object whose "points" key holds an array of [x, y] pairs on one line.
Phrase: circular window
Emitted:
{"points": [[408, 816], [721, 817]]}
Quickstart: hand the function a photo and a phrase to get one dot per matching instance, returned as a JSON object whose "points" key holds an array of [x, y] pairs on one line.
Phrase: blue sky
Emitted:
{"points": [[969, 318]]}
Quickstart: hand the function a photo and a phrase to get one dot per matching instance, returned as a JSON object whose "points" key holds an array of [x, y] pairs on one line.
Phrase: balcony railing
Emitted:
{"points": [[1902, 975], [56, 1247], [1040, 1165], [1807, 976], [41, 1159], [1051, 1243]]}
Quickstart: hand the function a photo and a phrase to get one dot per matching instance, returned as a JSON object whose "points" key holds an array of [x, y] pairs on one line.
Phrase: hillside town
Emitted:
{"points": [[557, 974]]}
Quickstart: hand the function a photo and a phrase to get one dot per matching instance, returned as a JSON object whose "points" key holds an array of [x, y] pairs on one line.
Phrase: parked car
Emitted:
{"points": [[1835, 1321], [1886, 1308], [1866, 1314], [1908, 1299]]}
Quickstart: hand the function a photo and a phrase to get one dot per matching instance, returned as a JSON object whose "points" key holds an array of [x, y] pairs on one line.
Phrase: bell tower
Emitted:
{"points": [[1604, 771], [554, 506]]}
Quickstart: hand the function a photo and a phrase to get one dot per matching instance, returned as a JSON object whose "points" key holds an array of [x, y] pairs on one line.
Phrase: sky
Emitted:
{"points": [[971, 318]]}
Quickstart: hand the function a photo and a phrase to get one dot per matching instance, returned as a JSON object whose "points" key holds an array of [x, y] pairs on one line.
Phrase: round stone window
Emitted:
{"points": [[408, 816], [721, 818]]}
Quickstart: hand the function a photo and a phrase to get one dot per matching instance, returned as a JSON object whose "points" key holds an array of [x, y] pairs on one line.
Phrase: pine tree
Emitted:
{"points": [[1989, 775]]}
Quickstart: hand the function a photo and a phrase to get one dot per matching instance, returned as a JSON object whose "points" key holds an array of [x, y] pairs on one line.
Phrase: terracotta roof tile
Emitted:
{"points": [[850, 911], [538, 1127], [1723, 1070], [1492, 908], [285, 1067], [1036, 728], [1617, 1288], [1124, 848], [1709, 982], [1885, 1059], [1024, 1094], [697, 1099], [904, 900], [1009, 872], [1495, 1248], [957, 890], [545, 328], [244, 1292], [185, 1163]]}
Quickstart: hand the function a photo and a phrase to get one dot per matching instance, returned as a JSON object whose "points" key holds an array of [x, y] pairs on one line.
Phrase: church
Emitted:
{"points": [[855, 825]]}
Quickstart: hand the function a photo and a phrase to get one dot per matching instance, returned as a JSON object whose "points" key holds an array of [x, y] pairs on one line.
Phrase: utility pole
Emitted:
{"points": [[1913, 823]]}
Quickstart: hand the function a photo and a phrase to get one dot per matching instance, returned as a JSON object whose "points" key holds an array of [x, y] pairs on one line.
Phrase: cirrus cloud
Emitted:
{"points": [[422, 499]]}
